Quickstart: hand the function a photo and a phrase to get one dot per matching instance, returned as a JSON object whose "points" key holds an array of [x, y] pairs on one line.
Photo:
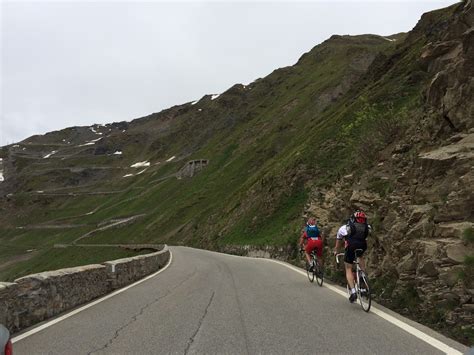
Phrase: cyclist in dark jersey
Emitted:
{"points": [[354, 234]]}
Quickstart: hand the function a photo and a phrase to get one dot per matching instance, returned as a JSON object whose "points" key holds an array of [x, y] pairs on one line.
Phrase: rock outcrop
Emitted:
{"points": [[421, 252]]}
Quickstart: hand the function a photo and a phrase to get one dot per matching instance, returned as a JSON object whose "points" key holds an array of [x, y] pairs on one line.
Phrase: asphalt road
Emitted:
{"points": [[210, 303]]}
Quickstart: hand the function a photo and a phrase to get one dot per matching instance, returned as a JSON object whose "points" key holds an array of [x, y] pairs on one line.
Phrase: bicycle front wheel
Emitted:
{"points": [[365, 296], [319, 272]]}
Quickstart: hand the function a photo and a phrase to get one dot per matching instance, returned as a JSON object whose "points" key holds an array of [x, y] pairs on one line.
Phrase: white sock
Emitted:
{"points": [[353, 290]]}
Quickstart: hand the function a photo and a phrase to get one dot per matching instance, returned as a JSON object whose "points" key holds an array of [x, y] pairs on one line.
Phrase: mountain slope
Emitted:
{"points": [[384, 123]]}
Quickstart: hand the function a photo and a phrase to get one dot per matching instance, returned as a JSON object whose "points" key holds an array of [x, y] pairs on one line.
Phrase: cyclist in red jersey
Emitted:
{"points": [[314, 240]]}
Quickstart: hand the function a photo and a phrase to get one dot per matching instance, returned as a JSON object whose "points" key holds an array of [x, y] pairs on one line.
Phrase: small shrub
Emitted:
{"points": [[375, 126], [468, 235], [469, 261]]}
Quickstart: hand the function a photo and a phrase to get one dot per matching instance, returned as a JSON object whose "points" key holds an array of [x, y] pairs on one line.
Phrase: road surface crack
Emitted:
{"points": [[137, 315], [191, 339], [239, 306]]}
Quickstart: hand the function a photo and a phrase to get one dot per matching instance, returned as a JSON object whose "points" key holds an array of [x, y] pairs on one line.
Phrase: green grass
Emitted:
{"points": [[468, 235], [52, 259]]}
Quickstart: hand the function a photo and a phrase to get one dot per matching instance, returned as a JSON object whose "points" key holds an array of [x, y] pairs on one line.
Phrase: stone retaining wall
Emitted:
{"points": [[34, 298], [285, 253]]}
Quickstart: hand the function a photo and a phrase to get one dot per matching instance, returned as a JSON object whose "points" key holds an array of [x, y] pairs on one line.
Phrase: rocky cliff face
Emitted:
{"points": [[419, 193]]}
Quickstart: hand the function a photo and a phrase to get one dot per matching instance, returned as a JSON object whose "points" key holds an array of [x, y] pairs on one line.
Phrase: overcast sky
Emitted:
{"points": [[78, 63]]}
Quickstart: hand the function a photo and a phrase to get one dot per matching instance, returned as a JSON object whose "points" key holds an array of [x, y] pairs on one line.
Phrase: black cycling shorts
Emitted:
{"points": [[349, 254]]}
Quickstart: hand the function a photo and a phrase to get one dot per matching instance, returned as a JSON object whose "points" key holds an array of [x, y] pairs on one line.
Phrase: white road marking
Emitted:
{"points": [[80, 309], [402, 325], [397, 322], [406, 327]]}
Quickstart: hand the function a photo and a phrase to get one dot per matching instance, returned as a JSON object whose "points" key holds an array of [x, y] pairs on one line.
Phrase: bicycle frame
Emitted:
{"points": [[357, 281]]}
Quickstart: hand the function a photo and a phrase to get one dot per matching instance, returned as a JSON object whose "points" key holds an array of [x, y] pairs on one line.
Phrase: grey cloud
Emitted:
{"points": [[79, 63]]}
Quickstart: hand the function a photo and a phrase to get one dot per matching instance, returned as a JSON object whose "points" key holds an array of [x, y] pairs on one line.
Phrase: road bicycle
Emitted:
{"points": [[317, 271], [361, 283]]}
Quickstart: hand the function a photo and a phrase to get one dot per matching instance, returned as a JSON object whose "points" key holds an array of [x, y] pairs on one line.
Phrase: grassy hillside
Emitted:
{"points": [[263, 143]]}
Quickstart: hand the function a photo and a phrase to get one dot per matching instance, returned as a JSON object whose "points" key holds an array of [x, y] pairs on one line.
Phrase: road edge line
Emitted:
{"points": [[438, 344], [88, 305], [389, 318]]}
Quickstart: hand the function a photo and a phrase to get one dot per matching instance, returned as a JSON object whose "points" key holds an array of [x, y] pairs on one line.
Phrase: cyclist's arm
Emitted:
{"points": [[301, 242], [341, 233]]}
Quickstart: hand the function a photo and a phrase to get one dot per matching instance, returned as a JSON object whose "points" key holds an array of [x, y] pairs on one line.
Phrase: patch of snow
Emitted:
{"points": [[16, 146], [94, 131], [90, 142], [215, 96], [128, 175], [123, 130], [1, 176], [118, 152], [30, 250], [89, 213], [1, 159], [40, 191], [140, 164], [24, 148], [199, 109], [194, 102], [389, 39], [141, 172], [170, 159], [48, 155]]}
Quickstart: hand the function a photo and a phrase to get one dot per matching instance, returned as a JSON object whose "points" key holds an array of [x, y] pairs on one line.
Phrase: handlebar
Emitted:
{"points": [[337, 256]]}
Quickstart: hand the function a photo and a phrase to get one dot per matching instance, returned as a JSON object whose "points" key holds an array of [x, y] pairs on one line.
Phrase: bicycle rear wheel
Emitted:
{"points": [[365, 296], [310, 273], [319, 272]]}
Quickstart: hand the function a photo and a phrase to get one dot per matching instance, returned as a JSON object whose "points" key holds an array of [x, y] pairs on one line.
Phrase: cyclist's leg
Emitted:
{"points": [[349, 257], [363, 246], [307, 250], [319, 252], [349, 275]]}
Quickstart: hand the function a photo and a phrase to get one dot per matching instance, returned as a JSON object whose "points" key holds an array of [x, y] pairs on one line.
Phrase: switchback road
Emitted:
{"points": [[211, 303]]}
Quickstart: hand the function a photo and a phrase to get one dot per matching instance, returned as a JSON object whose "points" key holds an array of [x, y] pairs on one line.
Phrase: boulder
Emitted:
{"points": [[423, 229], [452, 229], [457, 252], [469, 307], [364, 197], [407, 264], [429, 248], [463, 149], [418, 212], [428, 268]]}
